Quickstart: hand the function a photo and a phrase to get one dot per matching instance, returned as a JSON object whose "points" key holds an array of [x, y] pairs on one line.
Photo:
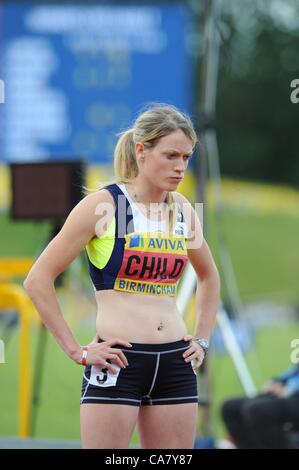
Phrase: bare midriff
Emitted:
{"points": [[138, 318]]}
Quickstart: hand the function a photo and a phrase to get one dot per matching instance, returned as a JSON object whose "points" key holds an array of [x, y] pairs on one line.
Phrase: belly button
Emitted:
{"points": [[160, 327]]}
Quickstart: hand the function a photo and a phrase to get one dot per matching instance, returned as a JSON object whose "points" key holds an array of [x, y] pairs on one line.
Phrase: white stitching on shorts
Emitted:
{"points": [[177, 398], [109, 398], [87, 385], [154, 379], [154, 352]]}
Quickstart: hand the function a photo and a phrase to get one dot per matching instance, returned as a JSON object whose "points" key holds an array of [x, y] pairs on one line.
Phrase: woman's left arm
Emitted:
{"points": [[208, 289], [208, 282]]}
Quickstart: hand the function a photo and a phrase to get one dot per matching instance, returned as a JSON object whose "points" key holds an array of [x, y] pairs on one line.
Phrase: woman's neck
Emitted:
{"points": [[144, 194]]}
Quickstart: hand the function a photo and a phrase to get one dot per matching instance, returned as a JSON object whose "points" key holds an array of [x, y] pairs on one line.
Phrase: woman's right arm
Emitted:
{"points": [[89, 217]]}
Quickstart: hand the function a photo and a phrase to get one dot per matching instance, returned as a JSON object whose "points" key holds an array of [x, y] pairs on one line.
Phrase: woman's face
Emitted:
{"points": [[164, 165]]}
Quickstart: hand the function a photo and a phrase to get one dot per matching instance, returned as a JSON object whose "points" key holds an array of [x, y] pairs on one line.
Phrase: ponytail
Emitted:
{"points": [[125, 165]]}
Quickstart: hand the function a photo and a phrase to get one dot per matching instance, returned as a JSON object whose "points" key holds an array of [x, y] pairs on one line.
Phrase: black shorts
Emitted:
{"points": [[157, 374]]}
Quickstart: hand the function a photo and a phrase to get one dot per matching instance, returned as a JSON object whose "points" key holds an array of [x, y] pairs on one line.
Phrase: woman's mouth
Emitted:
{"points": [[176, 179]]}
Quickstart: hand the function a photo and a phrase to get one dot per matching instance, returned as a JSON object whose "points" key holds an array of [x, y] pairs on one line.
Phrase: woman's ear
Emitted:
{"points": [[139, 150]]}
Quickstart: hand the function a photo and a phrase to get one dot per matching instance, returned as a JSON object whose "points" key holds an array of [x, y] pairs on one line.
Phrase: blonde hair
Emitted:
{"points": [[155, 122]]}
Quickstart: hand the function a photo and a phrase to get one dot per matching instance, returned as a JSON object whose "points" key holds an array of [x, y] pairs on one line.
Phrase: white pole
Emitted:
{"points": [[187, 289], [235, 352]]}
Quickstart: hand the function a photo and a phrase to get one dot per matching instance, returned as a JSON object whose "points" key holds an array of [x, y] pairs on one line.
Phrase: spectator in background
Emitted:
{"points": [[268, 420]]}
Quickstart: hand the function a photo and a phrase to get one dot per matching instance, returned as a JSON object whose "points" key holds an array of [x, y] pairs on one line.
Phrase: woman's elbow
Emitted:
{"points": [[212, 279], [30, 284], [34, 282]]}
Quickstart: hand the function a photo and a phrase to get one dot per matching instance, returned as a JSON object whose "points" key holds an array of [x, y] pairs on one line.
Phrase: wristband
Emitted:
{"points": [[84, 356]]}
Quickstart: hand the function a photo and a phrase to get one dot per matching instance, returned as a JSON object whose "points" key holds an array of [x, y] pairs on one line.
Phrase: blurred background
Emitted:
{"points": [[72, 76]]}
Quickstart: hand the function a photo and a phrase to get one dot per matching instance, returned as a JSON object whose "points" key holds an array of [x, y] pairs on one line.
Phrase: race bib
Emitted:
{"points": [[101, 377]]}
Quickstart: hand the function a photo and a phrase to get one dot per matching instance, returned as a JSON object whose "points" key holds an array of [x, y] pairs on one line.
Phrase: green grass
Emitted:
{"points": [[58, 415], [265, 256], [19, 238], [264, 253]]}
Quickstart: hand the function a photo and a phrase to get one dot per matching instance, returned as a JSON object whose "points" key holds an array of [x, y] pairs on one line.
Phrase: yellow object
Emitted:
{"points": [[99, 249], [5, 187], [14, 296], [14, 267]]}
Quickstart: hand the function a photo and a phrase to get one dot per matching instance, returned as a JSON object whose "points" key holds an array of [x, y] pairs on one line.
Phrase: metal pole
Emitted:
{"points": [[209, 154]]}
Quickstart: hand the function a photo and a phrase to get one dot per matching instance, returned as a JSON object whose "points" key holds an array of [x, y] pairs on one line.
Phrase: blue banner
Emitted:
{"points": [[75, 76]]}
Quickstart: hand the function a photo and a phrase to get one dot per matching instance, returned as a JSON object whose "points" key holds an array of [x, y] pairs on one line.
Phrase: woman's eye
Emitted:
{"points": [[186, 157]]}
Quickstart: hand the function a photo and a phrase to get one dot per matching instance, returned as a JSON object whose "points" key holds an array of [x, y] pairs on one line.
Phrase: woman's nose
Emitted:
{"points": [[180, 166]]}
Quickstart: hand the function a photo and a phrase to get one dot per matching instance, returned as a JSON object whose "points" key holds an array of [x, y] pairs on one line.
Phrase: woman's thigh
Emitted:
{"points": [[168, 426], [106, 426]]}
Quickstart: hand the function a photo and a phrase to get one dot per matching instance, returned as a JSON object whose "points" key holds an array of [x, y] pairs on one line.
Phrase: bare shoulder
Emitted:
{"points": [[96, 197], [94, 206]]}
